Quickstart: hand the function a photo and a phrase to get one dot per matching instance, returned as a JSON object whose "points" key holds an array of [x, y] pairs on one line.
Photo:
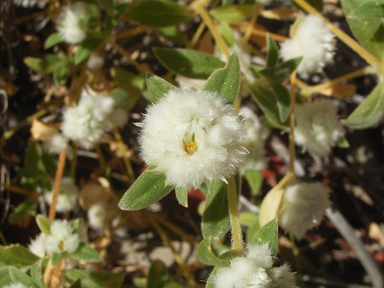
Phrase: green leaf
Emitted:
{"points": [[273, 52], [37, 273], [108, 6], [44, 224], [248, 218], [124, 98], [39, 65], [158, 87], [99, 279], [284, 70], [173, 34], [206, 255], [268, 234], [366, 20], [253, 229], [21, 211], [19, 277], [173, 285], [17, 255], [56, 257], [158, 13], [86, 48], [226, 32], [343, 143], [140, 282], [76, 284], [128, 80], [188, 63], [283, 101], [182, 196], [5, 279], [255, 180], [368, 113], [157, 274], [216, 220], [149, 188], [226, 81], [52, 40], [266, 99], [231, 13], [60, 75], [86, 253]]}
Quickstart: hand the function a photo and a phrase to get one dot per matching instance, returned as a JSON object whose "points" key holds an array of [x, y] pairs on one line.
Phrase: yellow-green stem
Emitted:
{"points": [[343, 36], [176, 255], [18, 190], [248, 32], [296, 253], [237, 235], [123, 151], [56, 187], [292, 125], [132, 32], [197, 35], [199, 6]]}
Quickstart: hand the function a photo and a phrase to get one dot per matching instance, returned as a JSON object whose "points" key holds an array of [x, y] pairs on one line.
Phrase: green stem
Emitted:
{"points": [[237, 235]]}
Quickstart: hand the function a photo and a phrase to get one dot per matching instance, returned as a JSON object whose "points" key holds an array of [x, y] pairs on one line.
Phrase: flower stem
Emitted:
{"points": [[296, 252], [123, 150], [56, 187], [248, 32], [199, 6], [132, 32], [237, 235], [243, 26], [197, 35], [292, 125], [343, 36], [18, 190]]}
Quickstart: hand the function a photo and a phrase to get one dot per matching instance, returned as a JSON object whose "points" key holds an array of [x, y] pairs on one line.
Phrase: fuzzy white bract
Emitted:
{"points": [[302, 208], [313, 40], [68, 196], [256, 134], [192, 136], [254, 270], [87, 122], [68, 23], [15, 285], [37, 245], [318, 127], [62, 238]]}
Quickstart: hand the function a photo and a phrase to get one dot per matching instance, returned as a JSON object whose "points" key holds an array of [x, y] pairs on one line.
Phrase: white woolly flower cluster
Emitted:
{"points": [[61, 239], [318, 127], [56, 143], [313, 40], [69, 25], [192, 136], [256, 134], [15, 285], [67, 197], [254, 270], [302, 208], [88, 121]]}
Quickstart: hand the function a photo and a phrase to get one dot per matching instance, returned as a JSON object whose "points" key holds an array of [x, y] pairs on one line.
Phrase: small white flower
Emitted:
{"points": [[62, 238], [101, 214], [95, 63], [192, 136], [16, 285], [313, 40], [119, 117], [69, 25], [254, 270], [68, 195], [87, 122], [56, 144], [253, 141], [317, 127], [302, 208], [37, 246]]}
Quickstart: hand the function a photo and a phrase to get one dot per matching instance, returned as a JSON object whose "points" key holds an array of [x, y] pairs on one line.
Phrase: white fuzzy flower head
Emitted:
{"points": [[101, 214], [303, 206], [15, 285], [68, 196], [192, 136], [313, 40], [254, 270], [318, 127], [37, 246], [68, 23], [87, 122], [62, 238], [256, 134], [95, 63], [56, 144]]}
